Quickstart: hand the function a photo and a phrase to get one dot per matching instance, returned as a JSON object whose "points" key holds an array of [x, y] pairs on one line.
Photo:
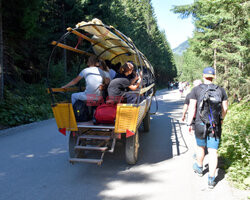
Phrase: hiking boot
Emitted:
{"points": [[211, 182], [198, 170]]}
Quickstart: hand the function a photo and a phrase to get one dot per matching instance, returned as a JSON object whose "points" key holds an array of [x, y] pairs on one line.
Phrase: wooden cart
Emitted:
{"points": [[89, 142]]}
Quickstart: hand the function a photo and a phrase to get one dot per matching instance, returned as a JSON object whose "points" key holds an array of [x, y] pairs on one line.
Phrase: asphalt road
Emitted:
{"points": [[34, 165]]}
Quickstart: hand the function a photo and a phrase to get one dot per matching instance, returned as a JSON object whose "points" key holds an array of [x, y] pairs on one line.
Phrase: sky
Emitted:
{"points": [[177, 30]]}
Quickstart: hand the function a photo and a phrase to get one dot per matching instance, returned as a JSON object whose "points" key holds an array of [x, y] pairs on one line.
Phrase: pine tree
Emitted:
{"points": [[221, 39]]}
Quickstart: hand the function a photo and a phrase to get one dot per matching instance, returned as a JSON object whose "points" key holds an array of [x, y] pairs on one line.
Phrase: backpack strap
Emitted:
{"points": [[213, 124], [201, 99], [101, 73]]}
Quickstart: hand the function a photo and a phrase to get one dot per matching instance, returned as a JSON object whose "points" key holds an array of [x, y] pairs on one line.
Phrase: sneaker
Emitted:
{"points": [[198, 169], [211, 182]]}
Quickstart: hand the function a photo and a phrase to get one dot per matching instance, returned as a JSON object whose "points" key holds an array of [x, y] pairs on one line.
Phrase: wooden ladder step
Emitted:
{"points": [[97, 161], [94, 137], [91, 148]]}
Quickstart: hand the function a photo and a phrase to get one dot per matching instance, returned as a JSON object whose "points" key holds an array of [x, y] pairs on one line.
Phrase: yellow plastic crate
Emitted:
{"points": [[126, 118], [64, 115]]}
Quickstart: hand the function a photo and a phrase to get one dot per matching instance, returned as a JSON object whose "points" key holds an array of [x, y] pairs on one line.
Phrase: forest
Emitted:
{"points": [[221, 40], [27, 29]]}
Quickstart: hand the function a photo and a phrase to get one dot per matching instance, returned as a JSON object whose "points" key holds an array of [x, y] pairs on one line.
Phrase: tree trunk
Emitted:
{"points": [[215, 51], [226, 72], [1, 55], [64, 41]]}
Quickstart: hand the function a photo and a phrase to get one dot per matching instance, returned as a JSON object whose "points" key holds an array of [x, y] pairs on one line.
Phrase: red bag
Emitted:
{"points": [[105, 114]]}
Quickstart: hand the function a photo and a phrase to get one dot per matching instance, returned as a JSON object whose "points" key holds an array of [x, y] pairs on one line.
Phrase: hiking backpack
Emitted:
{"points": [[210, 106], [105, 114], [81, 111]]}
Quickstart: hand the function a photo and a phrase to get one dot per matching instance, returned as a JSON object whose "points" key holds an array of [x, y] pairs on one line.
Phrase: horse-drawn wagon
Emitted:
{"points": [[107, 43]]}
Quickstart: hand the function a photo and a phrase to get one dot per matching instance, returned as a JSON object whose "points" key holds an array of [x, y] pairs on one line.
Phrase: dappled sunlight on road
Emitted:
{"points": [[38, 167], [53, 151], [136, 183], [56, 151]]}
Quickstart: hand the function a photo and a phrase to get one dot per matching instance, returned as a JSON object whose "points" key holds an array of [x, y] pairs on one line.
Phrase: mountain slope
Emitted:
{"points": [[181, 48]]}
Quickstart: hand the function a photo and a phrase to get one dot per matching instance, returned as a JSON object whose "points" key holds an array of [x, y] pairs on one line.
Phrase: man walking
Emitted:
{"points": [[184, 111], [208, 103]]}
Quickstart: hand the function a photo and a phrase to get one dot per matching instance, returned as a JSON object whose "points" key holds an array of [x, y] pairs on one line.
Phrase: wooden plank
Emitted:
{"points": [[95, 137], [95, 148], [143, 90], [90, 40], [64, 46], [72, 89], [97, 161], [80, 35], [90, 124]]}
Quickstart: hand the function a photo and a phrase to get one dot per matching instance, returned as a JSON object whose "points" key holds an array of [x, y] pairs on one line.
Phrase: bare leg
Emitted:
{"points": [[200, 151], [213, 161], [194, 144]]}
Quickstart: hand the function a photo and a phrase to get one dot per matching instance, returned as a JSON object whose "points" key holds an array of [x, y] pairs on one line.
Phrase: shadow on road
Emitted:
{"points": [[178, 137], [43, 164]]}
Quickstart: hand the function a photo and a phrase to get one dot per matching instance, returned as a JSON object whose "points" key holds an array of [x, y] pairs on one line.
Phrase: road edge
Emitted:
{"points": [[24, 127]]}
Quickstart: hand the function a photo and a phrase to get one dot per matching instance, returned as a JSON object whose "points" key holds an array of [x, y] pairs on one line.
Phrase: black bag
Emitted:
{"points": [[81, 111], [210, 105]]}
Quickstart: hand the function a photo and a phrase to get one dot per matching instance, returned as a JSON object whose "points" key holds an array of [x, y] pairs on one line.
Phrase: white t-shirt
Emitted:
{"points": [[94, 78]]}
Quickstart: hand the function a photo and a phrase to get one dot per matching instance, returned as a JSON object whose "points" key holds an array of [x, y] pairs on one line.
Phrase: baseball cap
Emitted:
{"points": [[209, 72]]}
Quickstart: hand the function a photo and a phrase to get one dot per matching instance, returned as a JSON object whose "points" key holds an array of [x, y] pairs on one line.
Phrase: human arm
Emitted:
{"points": [[184, 111], [191, 112], [73, 82], [133, 87], [137, 77]]}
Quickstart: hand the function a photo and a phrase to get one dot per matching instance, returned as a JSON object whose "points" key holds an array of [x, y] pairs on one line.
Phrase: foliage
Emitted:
{"points": [[30, 26], [25, 106], [221, 39], [189, 66], [235, 144]]}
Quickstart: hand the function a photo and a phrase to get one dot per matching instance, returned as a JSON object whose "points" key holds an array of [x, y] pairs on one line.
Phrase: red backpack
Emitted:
{"points": [[105, 114]]}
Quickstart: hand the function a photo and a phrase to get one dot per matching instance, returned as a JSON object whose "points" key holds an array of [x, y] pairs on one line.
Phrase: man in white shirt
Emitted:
{"points": [[93, 77]]}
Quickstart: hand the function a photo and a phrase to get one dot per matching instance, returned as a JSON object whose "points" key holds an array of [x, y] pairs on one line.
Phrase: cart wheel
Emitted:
{"points": [[146, 122], [131, 148], [72, 143]]}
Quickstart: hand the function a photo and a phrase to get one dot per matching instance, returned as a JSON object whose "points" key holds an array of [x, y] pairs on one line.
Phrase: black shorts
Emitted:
{"points": [[199, 131]]}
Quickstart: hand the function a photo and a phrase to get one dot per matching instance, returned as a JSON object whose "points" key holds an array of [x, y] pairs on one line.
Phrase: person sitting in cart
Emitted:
{"points": [[104, 87], [112, 68], [94, 78], [105, 69], [121, 84]]}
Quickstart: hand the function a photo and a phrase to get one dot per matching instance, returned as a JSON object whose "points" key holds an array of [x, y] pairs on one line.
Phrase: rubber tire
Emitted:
{"points": [[131, 149], [146, 122], [72, 143]]}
